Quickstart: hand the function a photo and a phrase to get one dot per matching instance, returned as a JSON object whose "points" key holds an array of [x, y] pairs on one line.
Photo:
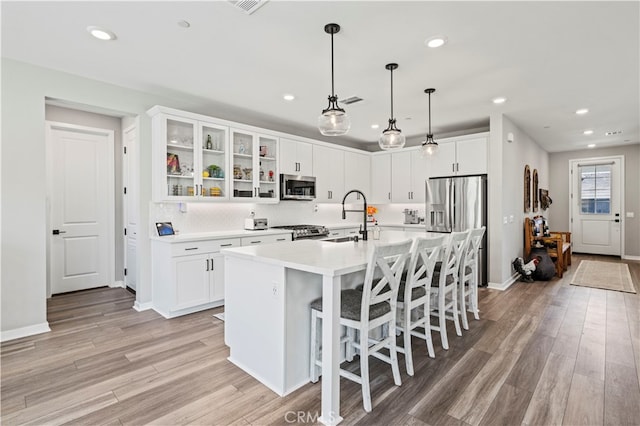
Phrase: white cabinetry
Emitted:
{"points": [[254, 167], [183, 148], [380, 178], [467, 156], [188, 276], [296, 157], [328, 164], [357, 171], [408, 177]]}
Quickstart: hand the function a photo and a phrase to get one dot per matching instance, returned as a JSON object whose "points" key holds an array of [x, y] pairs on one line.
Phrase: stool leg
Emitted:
{"points": [[456, 322], [463, 306], [427, 328], [406, 326], [364, 370], [442, 321]]}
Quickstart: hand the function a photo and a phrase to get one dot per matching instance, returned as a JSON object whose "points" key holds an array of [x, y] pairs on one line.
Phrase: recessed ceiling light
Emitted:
{"points": [[288, 97], [101, 33], [582, 111], [499, 100], [436, 41], [184, 24], [588, 132], [375, 126], [591, 145]]}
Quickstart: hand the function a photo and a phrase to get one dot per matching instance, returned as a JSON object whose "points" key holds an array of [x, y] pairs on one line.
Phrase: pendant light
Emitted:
{"points": [[392, 137], [429, 146], [333, 121]]}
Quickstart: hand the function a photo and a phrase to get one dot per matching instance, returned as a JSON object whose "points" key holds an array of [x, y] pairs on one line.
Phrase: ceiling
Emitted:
{"points": [[547, 58]]}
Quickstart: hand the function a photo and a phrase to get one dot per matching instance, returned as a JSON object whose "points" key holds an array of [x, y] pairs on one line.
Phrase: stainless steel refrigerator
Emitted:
{"points": [[458, 203]]}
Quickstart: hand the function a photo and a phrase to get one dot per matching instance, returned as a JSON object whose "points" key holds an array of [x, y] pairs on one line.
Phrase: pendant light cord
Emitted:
{"points": [[392, 93], [429, 114], [333, 92]]}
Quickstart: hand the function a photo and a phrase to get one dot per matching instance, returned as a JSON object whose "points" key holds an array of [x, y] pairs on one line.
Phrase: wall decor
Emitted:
{"points": [[545, 200], [535, 190], [527, 189]]}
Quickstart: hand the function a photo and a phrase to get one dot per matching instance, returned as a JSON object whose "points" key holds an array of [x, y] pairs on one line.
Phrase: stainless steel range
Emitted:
{"points": [[302, 232]]}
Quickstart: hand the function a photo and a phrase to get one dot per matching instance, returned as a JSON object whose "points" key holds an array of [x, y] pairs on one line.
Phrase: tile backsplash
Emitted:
{"points": [[210, 217]]}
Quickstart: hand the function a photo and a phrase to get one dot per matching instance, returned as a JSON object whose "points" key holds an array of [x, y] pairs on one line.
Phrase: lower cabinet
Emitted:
{"points": [[189, 276]]}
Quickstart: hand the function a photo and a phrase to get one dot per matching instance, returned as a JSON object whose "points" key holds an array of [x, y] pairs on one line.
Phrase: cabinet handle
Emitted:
{"points": [[211, 264], [329, 194], [207, 260], [191, 248], [281, 239], [256, 242], [457, 167], [226, 245], [453, 167], [389, 195], [255, 192]]}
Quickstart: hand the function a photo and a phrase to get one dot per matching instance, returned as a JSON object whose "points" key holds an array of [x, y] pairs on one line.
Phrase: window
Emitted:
{"points": [[595, 189]]}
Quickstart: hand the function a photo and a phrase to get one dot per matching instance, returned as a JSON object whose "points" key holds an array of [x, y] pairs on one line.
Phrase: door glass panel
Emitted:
{"points": [[180, 159], [214, 169], [595, 189]]}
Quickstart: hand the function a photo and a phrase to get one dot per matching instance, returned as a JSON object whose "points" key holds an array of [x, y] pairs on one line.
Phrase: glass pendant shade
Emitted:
{"points": [[333, 121], [392, 137], [429, 146]]}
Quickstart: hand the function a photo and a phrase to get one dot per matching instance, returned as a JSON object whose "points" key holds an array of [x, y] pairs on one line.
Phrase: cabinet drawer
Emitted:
{"points": [[205, 246], [265, 239]]}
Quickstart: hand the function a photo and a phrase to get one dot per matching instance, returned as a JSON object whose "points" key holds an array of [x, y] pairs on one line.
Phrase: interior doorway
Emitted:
{"points": [[81, 192], [597, 185]]}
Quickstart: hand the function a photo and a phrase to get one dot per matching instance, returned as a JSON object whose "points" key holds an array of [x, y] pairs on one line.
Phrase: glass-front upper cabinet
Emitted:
{"points": [[190, 159], [254, 166]]}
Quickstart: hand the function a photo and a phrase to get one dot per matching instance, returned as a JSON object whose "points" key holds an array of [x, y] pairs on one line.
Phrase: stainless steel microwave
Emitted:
{"points": [[295, 187]]}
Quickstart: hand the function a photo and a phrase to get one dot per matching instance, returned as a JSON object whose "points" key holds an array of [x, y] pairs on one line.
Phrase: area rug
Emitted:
{"points": [[605, 275]]}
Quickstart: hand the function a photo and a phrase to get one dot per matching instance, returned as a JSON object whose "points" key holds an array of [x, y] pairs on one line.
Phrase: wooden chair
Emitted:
{"points": [[558, 245]]}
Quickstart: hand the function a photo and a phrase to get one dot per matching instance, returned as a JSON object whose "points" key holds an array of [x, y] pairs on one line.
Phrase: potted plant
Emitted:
{"points": [[214, 170]]}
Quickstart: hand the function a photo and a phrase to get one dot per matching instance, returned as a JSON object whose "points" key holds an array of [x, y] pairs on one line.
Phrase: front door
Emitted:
{"points": [[596, 205], [81, 200]]}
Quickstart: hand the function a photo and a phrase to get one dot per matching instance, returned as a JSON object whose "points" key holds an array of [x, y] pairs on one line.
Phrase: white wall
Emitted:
{"points": [[559, 190], [507, 161]]}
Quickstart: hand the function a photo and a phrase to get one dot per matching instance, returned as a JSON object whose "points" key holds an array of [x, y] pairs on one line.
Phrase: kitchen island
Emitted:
{"points": [[268, 289]]}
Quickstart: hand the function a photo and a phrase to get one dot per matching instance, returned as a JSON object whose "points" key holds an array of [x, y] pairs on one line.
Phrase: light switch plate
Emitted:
{"points": [[630, 214], [505, 220]]}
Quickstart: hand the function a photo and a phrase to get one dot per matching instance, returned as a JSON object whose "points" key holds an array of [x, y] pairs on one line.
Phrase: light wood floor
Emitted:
{"points": [[546, 353]]}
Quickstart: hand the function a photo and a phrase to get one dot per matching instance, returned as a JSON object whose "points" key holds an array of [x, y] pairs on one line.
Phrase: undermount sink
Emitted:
{"points": [[340, 239]]}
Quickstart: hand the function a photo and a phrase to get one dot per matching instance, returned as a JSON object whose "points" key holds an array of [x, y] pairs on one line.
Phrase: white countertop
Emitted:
{"points": [[317, 256], [236, 233]]}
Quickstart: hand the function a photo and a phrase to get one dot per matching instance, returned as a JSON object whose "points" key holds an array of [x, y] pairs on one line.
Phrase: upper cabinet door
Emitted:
{"points": [[296, 157], [177, 150], [328, 164], [418, 178], [442, 163], [381, 179], [357, 171], [471, 156], [213, 161], [401, 177], [254, 167]]}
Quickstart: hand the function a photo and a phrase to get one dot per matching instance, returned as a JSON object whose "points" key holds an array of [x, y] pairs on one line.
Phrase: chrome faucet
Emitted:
{"points": [[364, 212]]}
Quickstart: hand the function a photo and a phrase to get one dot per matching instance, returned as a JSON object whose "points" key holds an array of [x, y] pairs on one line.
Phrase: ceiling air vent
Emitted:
{"points": [[351, 100], [248, 6], [613, 132]]}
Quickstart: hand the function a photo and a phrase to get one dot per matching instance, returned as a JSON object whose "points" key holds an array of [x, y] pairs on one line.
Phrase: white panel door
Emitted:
{"points": [[596, 206], [82, 202], [130, 199]]}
